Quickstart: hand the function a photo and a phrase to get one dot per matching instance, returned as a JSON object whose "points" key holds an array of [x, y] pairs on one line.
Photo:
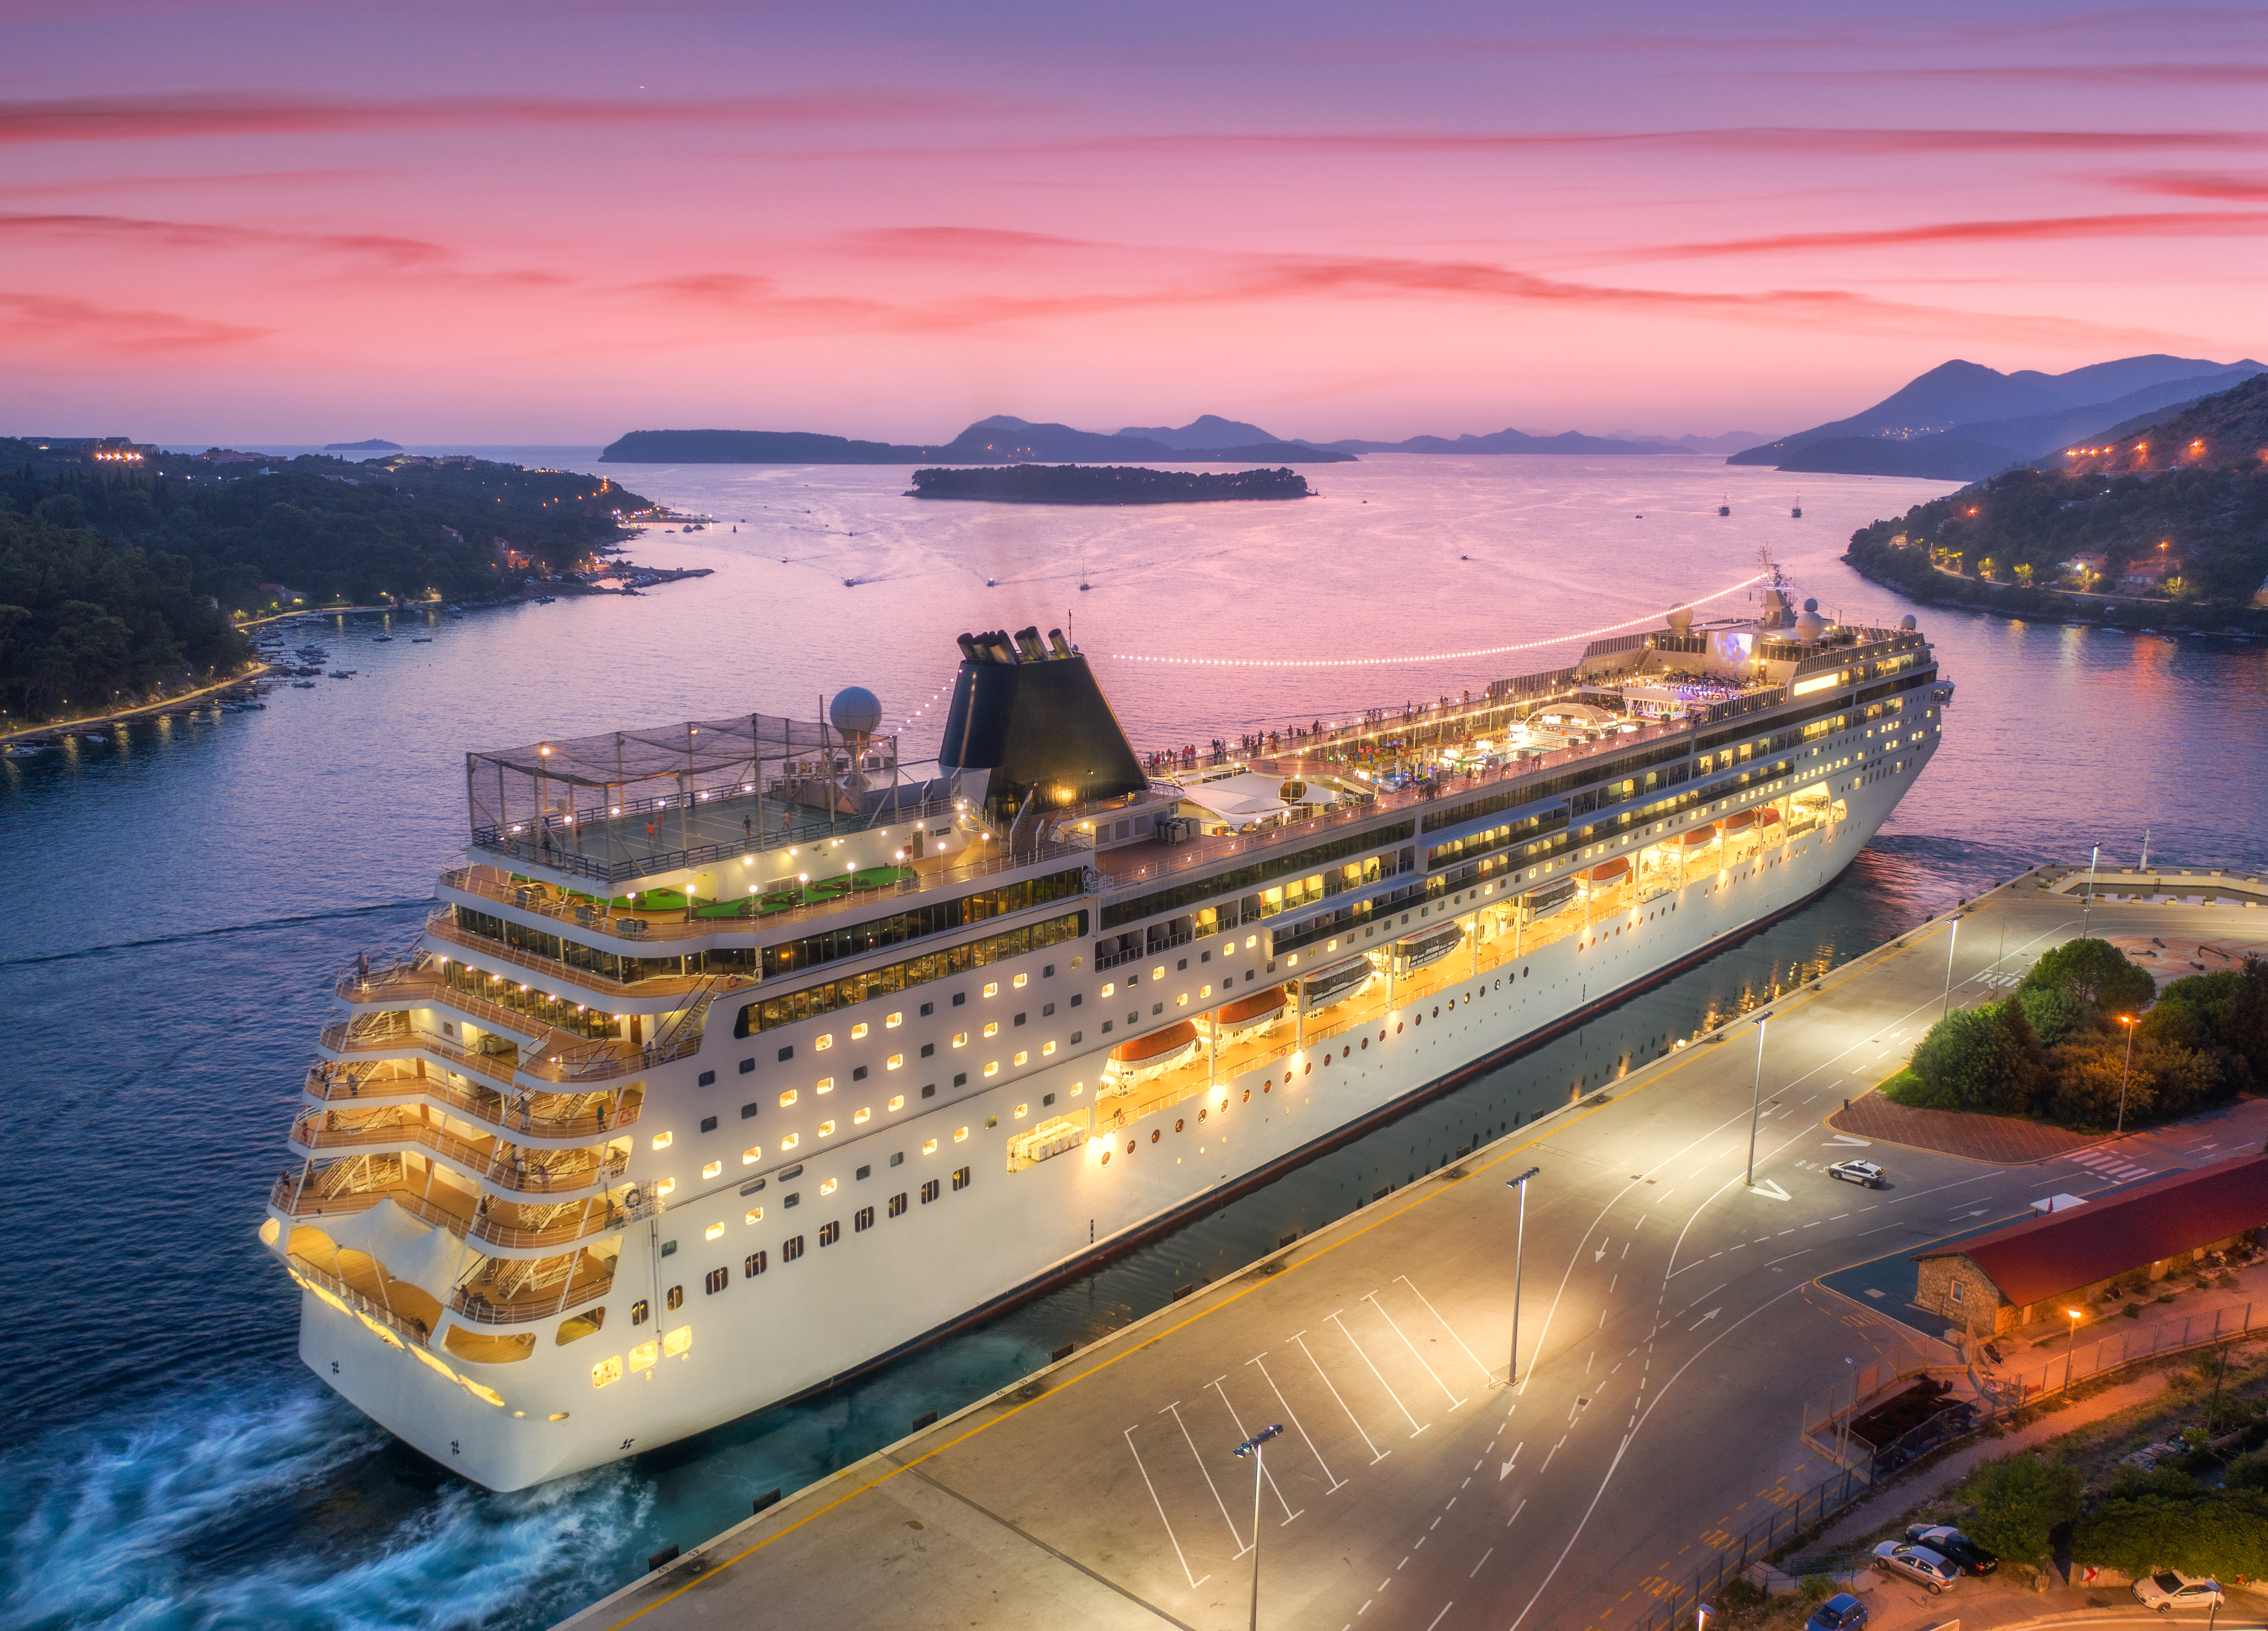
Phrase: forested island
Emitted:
{"points": [[132, 579], [1111, 484], [1002, 439]]}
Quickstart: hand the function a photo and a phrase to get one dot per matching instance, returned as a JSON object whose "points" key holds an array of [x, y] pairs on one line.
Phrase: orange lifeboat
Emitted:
{"points": [[1146, 1050], [1606, 871], [1739, 822], [1701, 835], [1246, 1010], [1767, 816]]}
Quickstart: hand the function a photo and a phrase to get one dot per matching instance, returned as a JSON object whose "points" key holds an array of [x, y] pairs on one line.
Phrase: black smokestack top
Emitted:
{"points": [[1038, 723]]}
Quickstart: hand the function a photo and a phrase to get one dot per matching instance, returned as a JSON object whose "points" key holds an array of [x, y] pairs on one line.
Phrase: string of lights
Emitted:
{"points": [[1429, 656]]}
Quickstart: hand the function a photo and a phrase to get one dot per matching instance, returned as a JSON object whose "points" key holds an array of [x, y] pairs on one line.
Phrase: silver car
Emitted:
{"points": [[2170, 1588], [1917, 1564]]}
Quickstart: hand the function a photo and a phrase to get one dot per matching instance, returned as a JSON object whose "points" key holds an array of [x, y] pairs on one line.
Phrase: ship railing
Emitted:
{"points": [[319, 1129], [295, 1194], [495, 1067], [430, 983], [409, 1328], [599, 1061], [534, 844], [474, 1309], [480, 949], [324, 1083]]}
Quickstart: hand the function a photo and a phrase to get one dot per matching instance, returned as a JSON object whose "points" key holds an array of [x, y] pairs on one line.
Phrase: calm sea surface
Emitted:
{"points": [[183, 896]]}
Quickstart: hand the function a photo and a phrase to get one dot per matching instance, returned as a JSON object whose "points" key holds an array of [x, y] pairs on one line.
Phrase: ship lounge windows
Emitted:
{"points": [[929, 1192], [792, 1249], [716, 1281], [675, 1299], [755, 1264]]}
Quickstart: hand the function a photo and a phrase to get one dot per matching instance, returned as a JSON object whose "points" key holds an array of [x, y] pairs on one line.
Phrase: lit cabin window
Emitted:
{"points": [[960, 1134], [712, 1169], [826, 1186], [992, 988], [1204, 990], [675, 1342], [1077, 1087], [606, 1370], [668, 1185], [787, 1098], [824, 1042], [643, 1355], [1158, 973], [1107, 990], [992, 1068], [1250, 941], [894, 1021], [897, 1101], [755, 1214], [827, 1129], [826, 1085], [894, 1062], [1020, 982], [1047, 1048], [789, 1142], [1182, 1000], [661, 1141], [992, 1028], [1022, 1111], [863, 1116], [858, 1031], [1020, 1058], [753, 1154], [961, 1039], [715, 1232], [929, 1146]]}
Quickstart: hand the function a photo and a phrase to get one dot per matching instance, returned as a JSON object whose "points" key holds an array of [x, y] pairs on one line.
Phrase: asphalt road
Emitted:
{"points": [[1670, 1329]]}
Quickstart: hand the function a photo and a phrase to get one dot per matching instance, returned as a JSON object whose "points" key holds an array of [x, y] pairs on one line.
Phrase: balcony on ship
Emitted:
{"points": [[560, 1116], [522, 1043], [509, 1291], [490, 1158], [520, 1220]]}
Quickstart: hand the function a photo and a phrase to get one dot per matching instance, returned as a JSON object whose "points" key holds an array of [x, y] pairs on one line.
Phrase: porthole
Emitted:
{"points": [[1398, 1028], [1366, 1044], [1177, 1124], [1437, 1012], [1309, 1069], [1106, 1157], [1130, 1146], [1153, 1135], [1248, 1095], [1346, 1053], [1201, 1116]]}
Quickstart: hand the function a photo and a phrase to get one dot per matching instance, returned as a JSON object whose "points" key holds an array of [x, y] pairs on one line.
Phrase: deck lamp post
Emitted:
{"points": [[2125, 1071], [2074, 1315], [1252, 1447], [1518, 1251]]}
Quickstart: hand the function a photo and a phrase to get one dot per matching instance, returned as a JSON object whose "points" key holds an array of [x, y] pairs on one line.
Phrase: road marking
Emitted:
{"points": [[1516, 1511], [1194, 1582], [1174, 1409], [1705, 1319], [1451, 1329], [1504, 1472], [1476, 1567], [1312, 1450], [1765, 1189], [1288, 1513], [1956, 1184], [1376, 1454], [1373, 1300], [1783, 1260], [1436, 1620], [1414, 1428]]}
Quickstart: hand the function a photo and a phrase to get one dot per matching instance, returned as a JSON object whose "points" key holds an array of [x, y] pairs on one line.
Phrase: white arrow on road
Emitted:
{"points": [[1596, 1255], [1504, 1472], [1849, 1142], [1705, 1319], [1769, 1190]]}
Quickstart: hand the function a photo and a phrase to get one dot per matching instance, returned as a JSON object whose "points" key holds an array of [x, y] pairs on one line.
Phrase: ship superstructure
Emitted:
{"points": [[740, 1054]]}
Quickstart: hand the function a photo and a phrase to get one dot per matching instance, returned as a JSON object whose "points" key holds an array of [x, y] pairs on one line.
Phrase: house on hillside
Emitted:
{"points": [[2030, 1272]]}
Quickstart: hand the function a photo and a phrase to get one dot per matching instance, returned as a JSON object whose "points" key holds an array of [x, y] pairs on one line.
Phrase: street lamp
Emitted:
{"points": [[2089, 907], [2125, 1070], [1756, 1105], [1951, 942], [1518, 1250], [2074, 1315], [1252, 1447]]}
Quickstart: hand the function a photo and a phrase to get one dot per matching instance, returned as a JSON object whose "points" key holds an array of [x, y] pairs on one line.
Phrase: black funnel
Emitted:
{"points": [[1041, 724]]}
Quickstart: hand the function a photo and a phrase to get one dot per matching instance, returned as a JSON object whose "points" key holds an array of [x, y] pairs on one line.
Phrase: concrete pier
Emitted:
{"points": [[1670, 1328]]}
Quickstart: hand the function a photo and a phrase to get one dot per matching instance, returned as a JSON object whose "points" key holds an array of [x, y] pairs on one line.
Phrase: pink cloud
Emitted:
{"points": [[188, 235], [55, 321], [2182, 223]]}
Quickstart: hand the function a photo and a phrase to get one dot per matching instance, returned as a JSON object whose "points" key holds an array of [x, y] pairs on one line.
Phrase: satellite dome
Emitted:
{"points": [[1811, 606], [1809, 626], [1681, 619], [1907, 622], [855, 712]]}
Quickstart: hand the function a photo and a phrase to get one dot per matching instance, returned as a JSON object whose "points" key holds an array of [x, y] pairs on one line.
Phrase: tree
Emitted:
{"points": [[2019, 1500], [2055, 1014], [2219, 1533], [1982, 1058], [2097, 973]]}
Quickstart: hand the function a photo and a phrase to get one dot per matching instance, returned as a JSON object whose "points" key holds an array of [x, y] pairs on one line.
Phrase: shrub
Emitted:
{"points": [[1906, 1088], [2097, 973], [1982, 1059], [2219, 1532], [2019, 1500], [2054, 1013], [1817, 1587]]}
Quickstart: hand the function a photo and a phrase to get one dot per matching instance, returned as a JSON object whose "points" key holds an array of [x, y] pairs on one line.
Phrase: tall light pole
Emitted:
{"points": [[2125, 1071], [2073, 1314], [1252, 1447], [1518, 1250], [2089, 907], [1952, 942], [1756, 1107]]}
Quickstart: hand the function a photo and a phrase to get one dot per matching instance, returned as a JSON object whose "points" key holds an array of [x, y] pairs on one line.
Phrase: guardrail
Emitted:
{"points": [[537, 846]]}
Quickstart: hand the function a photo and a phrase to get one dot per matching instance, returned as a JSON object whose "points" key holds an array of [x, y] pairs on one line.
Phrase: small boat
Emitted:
{"points": [[989, 582], [1727, 507], [381, 639], [422, 639], [343, 673], [303, 685], [1798, 511]]}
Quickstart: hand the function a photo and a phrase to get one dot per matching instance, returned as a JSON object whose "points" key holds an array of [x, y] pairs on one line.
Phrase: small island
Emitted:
{"points": [[375, 445], [1110, 484]]}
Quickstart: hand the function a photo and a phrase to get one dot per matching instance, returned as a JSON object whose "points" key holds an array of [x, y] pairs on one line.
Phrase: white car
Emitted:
{"points": [[1917, 1564], [1864, 1173], [2170, 1588]]}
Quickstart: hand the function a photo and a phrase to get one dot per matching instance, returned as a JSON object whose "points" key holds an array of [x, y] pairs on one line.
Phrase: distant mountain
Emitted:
{"points": [[1206, 431], [1503, 442], [2226, 430], [1001, 439], [1731, 442], [1960, 420], [376, 444]]}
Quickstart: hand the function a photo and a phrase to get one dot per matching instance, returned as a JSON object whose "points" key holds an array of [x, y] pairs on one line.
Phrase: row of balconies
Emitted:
{"points": [[547, 1119]]}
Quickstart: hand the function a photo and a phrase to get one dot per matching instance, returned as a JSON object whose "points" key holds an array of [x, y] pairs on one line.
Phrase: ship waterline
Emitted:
{"points": [[719, 1077]]}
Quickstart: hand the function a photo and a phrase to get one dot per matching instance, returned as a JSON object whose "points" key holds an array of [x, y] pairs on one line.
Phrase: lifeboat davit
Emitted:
{"points": [[1152, 1055], [1767, 816]]}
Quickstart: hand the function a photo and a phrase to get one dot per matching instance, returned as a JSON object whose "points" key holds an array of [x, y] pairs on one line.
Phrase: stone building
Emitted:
{"points": [[2029, 1272]]}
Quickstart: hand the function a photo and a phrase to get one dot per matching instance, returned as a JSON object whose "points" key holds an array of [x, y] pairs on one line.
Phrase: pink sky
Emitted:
{"points": [[556, 222]]}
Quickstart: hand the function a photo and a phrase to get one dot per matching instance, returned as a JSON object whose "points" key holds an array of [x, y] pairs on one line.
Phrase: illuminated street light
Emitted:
{"points": [[2074, 1315], [1252, 1447], [1518, 1248], [2125, 1071]]}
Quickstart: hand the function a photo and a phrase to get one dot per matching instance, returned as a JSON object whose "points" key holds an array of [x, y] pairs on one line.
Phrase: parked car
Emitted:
{"points": [[2170, 1588], [1864, 1173], [1917, 1564], [1954, 1546], [1840, 1612]]}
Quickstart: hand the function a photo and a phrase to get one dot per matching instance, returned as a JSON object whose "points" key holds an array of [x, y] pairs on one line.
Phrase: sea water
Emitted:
{"points": [[184, 893]]}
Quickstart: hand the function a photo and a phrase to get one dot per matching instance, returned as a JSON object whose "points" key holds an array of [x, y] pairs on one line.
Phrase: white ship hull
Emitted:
{"points": [[801, 1324]]}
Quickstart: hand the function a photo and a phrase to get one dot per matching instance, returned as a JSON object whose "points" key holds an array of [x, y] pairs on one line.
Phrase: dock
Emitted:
{"points": [[1672, 1324]]}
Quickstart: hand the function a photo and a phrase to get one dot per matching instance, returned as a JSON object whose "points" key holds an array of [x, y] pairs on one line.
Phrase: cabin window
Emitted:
{"points": [[755, 1264], [829, 1233], [792, 1249], [716, 1281], [676, 1297], [863, 1219], [929, 1192]]}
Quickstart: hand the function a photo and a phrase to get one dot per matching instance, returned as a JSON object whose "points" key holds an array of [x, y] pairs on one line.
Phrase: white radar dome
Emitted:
{"points": [[1809, 626], [1680, 620], [855, 712]]}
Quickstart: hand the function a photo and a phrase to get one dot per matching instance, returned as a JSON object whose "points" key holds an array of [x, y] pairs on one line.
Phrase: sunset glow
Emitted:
{"points": [[555, 223]]}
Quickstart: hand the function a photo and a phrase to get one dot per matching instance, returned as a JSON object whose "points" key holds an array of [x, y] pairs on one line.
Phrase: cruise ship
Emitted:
{"points": [[740, 1056]]}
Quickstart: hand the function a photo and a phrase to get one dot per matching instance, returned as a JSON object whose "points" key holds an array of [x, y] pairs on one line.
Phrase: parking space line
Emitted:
{"points": [[1373, 1300], [1414, 1428], [1174, 1409], [1293, 1416], [1194, 1581], [1288, 1513], [1445, 1326], [1376, 1454]]}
